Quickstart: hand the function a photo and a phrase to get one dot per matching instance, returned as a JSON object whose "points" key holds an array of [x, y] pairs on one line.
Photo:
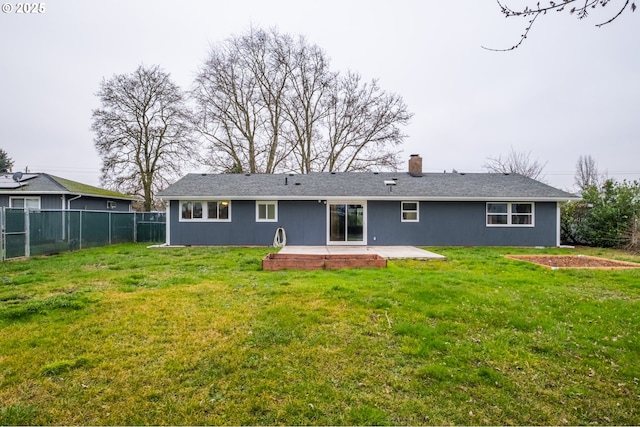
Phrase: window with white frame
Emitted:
{"points": [[200, 210], [267, 211], [410, 211], [510, 214], [24, 202]]}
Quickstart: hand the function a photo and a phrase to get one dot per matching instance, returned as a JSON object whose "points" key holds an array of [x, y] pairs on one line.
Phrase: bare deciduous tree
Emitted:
{"points": [[142, 132], [578, 8], [239, 93], [364, 126], [586, 172], [515, 162], [268, 102]]}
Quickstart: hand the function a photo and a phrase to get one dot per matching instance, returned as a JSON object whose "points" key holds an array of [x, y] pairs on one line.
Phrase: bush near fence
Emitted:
{"points": [[44, 232]]}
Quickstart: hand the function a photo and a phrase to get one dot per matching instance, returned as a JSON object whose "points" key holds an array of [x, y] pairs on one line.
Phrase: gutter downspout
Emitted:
{"points": [[69, 208], [558, 224], [71, 200]]}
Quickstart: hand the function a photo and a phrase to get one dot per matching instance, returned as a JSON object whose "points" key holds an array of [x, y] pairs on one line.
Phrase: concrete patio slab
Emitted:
{"points": [[388, 252]]}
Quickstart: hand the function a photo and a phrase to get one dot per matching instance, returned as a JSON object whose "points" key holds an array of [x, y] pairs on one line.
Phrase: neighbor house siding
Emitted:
{"points": [[456, 223], [303, 222], [51, 201], [55, 202], [96, 204]]}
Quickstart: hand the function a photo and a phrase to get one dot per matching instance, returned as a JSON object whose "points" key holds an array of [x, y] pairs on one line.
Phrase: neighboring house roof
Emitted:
{"points": [[364, 185], [43, 183]]}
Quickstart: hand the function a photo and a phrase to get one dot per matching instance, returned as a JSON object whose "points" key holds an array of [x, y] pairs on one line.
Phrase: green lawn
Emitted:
{"points": [[130, 335]]}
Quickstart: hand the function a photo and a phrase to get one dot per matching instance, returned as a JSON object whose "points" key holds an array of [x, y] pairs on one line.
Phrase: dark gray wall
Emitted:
{"points": [[456, 224], [54, 202], [98, 204], [441, 224], [303, 221]]}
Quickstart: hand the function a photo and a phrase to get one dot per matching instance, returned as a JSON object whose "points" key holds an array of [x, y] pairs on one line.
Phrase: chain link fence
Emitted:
{"points": [[28, 233]]}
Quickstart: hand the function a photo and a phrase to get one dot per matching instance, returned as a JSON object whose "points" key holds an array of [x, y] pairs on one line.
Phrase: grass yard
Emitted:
{"points": [[128, 335]]}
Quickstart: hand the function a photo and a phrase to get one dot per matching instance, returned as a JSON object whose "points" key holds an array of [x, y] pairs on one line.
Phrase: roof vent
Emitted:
{"points": [[298, 183], [247, 174]]}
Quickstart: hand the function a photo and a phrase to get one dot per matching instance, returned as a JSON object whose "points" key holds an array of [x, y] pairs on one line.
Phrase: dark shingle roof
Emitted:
{"points": [[363, 185], [42, 183]]}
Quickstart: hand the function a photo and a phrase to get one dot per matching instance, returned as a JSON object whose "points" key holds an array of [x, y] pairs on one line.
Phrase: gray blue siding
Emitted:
{"points": [[305, 222], [456, 224]]}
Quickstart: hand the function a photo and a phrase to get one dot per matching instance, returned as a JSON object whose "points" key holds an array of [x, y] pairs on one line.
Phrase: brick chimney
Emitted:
{"points": [[415, 165]]}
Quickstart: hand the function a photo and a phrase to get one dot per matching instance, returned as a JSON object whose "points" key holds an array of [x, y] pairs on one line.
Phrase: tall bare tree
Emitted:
{"points": [[363, 125], [515, 162], [310, 82], [268, 102], [578, 8], [239, 94], [586, 172], [142, 132]]}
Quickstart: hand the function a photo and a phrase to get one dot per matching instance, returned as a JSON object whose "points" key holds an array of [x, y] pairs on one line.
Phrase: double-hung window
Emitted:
{"points": [[267, 211], [410, 211], [510, 215], [24, 202], [201, 210]]}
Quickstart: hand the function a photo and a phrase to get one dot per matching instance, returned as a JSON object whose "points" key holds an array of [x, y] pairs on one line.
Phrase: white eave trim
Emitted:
{"points": [[67, 193], [376, 198]]}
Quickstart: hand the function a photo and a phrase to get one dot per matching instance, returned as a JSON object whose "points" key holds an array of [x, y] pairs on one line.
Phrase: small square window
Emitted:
{"points": [[410, 211], [267, 211]]}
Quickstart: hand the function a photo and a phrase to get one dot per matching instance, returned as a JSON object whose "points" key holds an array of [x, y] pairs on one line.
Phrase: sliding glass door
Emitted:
{"points": [[347, 223]]}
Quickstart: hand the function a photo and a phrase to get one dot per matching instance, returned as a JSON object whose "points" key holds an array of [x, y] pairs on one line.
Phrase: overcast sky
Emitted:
{"points": [[571, 89]]}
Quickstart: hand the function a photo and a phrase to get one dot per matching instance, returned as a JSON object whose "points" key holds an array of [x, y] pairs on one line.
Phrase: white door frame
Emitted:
{"points": [[362, 203]]}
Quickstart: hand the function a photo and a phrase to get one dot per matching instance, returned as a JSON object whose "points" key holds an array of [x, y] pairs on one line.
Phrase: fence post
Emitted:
{"points": [[110, 226], [80, 243], [135, 227], [27, 234], [2, 237]]}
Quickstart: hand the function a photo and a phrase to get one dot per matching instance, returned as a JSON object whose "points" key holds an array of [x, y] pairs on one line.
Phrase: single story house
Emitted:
{"points": [[364, 208], [44, 191]]}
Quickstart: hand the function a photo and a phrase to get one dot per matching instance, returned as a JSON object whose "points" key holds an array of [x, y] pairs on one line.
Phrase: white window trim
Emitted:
{"points": [[205, 208], [12, 198], [510, 214], [417, 211], [273, 203]]}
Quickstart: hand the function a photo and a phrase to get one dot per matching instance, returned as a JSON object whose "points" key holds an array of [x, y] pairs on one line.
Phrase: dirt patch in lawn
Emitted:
{"points": [[574, 261]]}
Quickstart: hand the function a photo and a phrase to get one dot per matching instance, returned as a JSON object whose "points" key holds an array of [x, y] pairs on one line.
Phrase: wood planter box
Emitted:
{"points": [[318, 262]]}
